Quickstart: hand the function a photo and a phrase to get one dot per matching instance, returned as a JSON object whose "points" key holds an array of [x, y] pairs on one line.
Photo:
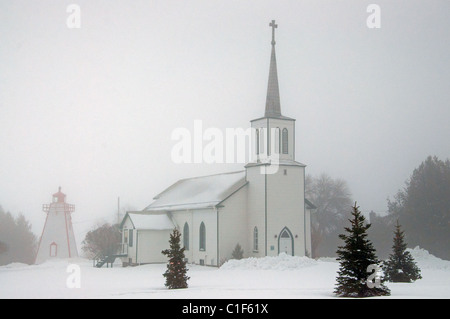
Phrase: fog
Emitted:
{"points": [[92, 109]]}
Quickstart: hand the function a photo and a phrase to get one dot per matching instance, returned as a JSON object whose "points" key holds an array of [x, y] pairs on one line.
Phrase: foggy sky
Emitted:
{"points": [[92, 109]]}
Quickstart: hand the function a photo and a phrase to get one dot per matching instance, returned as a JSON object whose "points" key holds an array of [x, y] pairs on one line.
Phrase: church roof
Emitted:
{"points": [[198, 192], [142, 220], [279, 162]]}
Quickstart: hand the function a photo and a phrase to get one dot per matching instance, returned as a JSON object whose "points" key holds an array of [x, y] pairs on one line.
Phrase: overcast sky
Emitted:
{"points": [[92, 109]]}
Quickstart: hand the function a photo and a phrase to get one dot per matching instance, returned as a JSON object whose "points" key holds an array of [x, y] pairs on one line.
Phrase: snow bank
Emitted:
{"points": [[14, 265], [425, 260], [280, 262], [328, 259]]}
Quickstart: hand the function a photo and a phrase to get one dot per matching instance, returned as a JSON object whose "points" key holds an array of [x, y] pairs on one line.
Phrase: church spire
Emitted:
{"points": [[273, 108]]}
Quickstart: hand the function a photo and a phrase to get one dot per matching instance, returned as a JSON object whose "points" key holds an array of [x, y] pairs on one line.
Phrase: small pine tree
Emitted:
{"points": [[400, 267], [237, 253], [355, 257], [176, 267]]}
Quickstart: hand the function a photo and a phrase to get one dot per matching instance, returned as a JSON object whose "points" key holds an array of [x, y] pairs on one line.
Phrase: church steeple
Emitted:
{"points": [[274, 137], [273, 108]]}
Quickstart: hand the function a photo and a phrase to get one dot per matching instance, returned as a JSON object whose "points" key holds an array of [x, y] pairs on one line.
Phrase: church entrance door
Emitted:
{"points": [[285, 242]]}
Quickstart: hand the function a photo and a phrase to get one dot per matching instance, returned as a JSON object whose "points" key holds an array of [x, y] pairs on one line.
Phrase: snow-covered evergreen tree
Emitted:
{"points": [[176, 267], [355, 257], [400, 267]]}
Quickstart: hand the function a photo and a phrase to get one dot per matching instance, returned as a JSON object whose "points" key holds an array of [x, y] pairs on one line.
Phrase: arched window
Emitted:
{"points": [[261, 140], [284, 138], [277, 141], [255, 239], [186, 236], [257, 141], [202, 236], [130, 237]]}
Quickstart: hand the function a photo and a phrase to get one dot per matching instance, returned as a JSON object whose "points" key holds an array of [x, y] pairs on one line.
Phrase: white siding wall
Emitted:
{"points": [[256, 209], [233, 227], [149, 244], [285, 207]]}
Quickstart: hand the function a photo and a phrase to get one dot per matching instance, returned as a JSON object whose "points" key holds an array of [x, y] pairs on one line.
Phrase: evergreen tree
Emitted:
{"points": [[176, 267], [400, 267], [18, 242], [423, 206], [237, 253], [355, 257]]}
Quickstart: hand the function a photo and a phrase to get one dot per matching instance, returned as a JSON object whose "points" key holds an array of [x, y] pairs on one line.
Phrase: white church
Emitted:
{"points": [[262, 208]]}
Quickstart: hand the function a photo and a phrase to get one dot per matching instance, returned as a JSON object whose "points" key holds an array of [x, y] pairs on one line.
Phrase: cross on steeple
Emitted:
{"points": [[274, 26]]}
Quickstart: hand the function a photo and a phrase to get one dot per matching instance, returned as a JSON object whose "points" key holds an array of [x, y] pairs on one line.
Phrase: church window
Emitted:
{"points": [[186, 236], [130, 237], [257, 142], [261, 141], [125, 236], [277, 141], [255, 239], [202, 236], [285, 141]]}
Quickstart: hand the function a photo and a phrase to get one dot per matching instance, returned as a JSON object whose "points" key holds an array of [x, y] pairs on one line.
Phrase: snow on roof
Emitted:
{"points": [[198, 192], [147, 221]]}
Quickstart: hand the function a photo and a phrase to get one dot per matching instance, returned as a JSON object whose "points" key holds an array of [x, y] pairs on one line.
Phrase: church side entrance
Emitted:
{"points": [[286, 242]]}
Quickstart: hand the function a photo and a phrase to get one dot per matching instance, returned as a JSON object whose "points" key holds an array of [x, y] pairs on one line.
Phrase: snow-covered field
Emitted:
{"points": [[283, 277]]}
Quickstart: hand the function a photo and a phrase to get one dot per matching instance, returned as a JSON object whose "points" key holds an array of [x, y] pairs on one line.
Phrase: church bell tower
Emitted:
{"points": [[274, 134], [276, 189]]}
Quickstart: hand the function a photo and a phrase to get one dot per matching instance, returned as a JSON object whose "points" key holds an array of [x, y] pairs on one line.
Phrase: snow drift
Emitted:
{"points": [[280, 262], [425, 260]]}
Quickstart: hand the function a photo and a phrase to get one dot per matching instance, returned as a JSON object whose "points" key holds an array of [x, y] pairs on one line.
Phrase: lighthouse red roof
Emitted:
{"points": [[59, 197]]}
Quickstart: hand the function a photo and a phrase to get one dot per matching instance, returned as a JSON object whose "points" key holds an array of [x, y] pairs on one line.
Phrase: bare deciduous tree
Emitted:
{"points": [[332, 199], [104, 240]]}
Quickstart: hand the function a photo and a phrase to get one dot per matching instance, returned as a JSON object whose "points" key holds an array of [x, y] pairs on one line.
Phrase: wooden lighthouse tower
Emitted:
{"points": [[57, 239]]}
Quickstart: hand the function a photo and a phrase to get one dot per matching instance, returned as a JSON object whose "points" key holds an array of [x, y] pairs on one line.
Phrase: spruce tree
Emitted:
{"points": [[176, 266], [237, 253], [400, 267], [355, 257]]}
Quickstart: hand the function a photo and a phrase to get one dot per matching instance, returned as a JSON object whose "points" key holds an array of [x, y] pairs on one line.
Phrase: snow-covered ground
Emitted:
{"points": [[283, 277]]}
